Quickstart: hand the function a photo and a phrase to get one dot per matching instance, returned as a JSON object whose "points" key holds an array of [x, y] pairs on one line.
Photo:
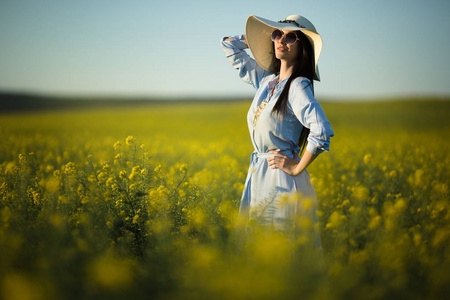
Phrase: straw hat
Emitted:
{"points": [[258, 32]]}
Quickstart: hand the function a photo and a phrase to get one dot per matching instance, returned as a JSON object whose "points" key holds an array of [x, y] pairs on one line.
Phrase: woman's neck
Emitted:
{"points": [[286, 70]]}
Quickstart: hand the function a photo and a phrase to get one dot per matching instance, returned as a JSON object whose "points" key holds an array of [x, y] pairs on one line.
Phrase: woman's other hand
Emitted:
{"points": [[283, 162], [243, 36], [291, 165]]}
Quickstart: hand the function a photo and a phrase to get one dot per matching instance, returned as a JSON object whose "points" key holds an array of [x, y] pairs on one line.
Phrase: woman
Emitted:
{"points": [[284, 118]]}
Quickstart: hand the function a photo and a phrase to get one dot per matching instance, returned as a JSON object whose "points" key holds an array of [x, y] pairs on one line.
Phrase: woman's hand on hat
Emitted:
{"points": [[283, 162], [245, 39], [232, 39]]}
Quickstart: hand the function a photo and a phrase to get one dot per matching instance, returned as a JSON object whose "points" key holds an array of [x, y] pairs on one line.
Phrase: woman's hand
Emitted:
{"points": [[290, 165], [283, 162], [231, 39]]}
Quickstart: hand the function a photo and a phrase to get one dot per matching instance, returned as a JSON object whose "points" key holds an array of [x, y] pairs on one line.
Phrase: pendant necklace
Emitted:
{"points": [[263, 104]]}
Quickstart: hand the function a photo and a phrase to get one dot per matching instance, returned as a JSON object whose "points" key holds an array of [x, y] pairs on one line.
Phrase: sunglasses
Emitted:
{"points": [[289, 38]]}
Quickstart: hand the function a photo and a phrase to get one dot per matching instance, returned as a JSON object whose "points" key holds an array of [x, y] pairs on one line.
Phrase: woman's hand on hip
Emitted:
{"points": [[283, 162]]}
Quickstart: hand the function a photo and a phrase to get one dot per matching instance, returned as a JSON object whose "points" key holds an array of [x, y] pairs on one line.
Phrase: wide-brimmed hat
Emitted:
{"points": [[258, 32]]}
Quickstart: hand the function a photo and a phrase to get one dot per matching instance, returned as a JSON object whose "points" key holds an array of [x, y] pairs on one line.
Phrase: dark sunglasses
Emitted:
{"points": [[289, 38]]}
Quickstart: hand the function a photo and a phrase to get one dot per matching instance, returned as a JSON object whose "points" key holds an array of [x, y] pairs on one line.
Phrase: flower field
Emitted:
{"points": [[141, 202]]}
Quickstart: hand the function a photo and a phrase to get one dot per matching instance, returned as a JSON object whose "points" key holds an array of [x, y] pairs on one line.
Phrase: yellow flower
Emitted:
{"points": [[360, 193], [367, 158], [392, 173], [399, 206], [117, 145], [375, 222], [101, 176], [417, 239], [110, 181], [48, 169], [345, 202], [135, 219], [134, 173], [335, 220], [69, 168], [417, 179], [358, 256], [111, 272], [441, 236], [183, 168], [133, 187], [130, 140], [106, 168], [198, 216], [163, 191], [91, 178], [123, 174]]}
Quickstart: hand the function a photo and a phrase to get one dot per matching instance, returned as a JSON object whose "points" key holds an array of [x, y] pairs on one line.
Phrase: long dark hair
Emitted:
{"points": [[303, 67]]}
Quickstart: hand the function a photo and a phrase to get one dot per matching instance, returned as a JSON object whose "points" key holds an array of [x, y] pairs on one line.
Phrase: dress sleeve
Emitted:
{"points": [[311, 115], [249, 70]]}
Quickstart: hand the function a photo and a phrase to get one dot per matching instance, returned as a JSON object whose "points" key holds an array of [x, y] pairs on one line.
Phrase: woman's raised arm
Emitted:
{"points": [[249, 71]]}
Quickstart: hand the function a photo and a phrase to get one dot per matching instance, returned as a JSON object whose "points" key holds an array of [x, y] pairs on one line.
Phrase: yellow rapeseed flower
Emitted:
{"points": [[102, 176], [198, 217], [112, 272], [17, 286], [367, 158], [135, 172], [130, 140], [345, 202], [417, 239], [335, 220], [359, 256], [183, 168], [110, 181], [123, 174], [135, 219], [360, 193], [375, 222], [442, 235], [69, 168], [52, 184], [400, 206]]}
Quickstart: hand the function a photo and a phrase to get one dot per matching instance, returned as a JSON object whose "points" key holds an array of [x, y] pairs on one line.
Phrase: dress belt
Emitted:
{"points": [[256, 156]]}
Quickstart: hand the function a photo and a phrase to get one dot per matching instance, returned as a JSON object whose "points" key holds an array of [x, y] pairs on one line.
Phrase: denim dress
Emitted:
{"points": [[271, 195]]}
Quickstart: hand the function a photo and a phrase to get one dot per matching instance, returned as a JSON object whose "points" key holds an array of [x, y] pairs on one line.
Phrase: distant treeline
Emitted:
{"points": [[13, 102], [16, 102]]}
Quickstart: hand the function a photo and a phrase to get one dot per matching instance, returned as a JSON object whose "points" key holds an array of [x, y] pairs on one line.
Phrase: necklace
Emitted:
{"points": [[263, 104]]}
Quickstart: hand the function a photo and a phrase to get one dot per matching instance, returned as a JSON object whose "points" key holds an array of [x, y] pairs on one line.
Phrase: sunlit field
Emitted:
{"points": [[141, 202]]}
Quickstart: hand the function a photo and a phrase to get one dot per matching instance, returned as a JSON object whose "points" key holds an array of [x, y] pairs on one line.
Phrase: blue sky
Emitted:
{"points": [[171, 48]]}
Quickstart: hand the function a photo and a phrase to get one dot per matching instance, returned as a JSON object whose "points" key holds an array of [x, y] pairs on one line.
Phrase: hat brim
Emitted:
{"points": [[258, 33]]}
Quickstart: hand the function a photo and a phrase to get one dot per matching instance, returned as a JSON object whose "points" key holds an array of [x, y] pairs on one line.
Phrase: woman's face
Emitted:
{"points": [[284, 51]]}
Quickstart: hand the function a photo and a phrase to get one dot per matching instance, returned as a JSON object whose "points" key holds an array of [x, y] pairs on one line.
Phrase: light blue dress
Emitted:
{"points": [[266, 190]]}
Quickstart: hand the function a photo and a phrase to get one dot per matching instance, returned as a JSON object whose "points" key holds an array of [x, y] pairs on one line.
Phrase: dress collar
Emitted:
{"points": [[275, 82]]}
